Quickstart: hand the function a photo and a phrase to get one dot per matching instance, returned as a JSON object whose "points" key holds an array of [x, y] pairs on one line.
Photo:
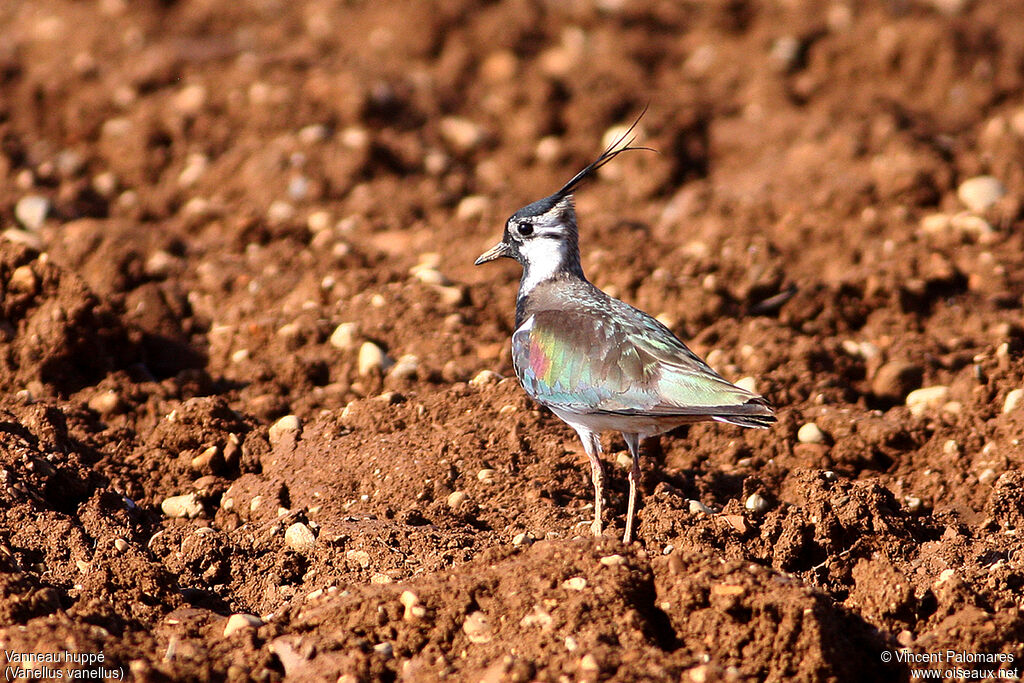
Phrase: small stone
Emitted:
{"points": [[987, 476], [120, 544], [613, 560], [204, 461], [925, 398], [385, 650], [914, 503], [195, 167], [31, 211], [894, 380], [190, 99], [407, 367], [462, 134], [344, 336], [784, 53], [485, 377], [23, 279], [477, 627], [431, 276], [379, 579], [588, 663], [810, 433], [83, 566], [980, 193], [697, 507], [1013, 400], [280, 212], [451, 295], [241, 622], [472, 208], [756, 503], [951, 447], [486, 475], [318, 221], [523, 538], [576, 583], [747, 383], [360, 557], [455, 499], [299, 537], [105, 184], [313, 133], [413, 608], [24, 237], [186, 505], [289, 424], [973, 226], [372, 359]]}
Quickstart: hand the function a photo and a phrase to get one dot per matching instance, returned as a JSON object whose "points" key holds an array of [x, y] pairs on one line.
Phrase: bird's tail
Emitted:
{"points": [[756, 412]]}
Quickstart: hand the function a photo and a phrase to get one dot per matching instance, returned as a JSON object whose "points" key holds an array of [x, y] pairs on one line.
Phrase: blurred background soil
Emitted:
{"points": [[248, 368]]}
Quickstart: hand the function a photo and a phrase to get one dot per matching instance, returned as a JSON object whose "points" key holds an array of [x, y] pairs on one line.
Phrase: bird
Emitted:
{"points": [[596, 362]]}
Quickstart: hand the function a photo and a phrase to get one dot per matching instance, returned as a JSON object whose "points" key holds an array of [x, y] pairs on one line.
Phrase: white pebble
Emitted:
{"points": [[31, 211], [485, 475], [485, 377], [472, 208], [190, 99], [576, 583], [407, 367], [455, 499], [981, 192], [430, 276], [186, 505], [613, 560], [241, 622], [299, 537], [385, 650], [697, 507], [372, 359], [477, 627], [920, 400], [288, 424], [756, 503], [344, 336], [462, 134], [1013, 400], [810, 433]]}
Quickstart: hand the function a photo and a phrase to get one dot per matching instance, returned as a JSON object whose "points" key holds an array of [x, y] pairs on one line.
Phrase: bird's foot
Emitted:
{"points": [[595, 527]]}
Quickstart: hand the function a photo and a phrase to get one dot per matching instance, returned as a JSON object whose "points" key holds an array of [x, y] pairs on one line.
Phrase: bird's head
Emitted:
{"points": [[542, 236]]}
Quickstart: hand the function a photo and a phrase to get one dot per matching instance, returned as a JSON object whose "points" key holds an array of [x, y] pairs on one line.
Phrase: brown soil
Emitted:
{"points": [[230, 181]]}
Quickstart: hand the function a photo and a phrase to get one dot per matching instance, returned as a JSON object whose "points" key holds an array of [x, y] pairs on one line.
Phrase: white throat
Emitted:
{"points": [[543, 259]]}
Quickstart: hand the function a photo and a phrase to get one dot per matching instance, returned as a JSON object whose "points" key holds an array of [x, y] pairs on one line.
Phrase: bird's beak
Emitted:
{"points": [[497, 251]]}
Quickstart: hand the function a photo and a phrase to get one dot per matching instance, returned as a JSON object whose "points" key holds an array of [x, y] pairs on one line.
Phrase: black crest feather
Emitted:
{"points": [[610, 153]]}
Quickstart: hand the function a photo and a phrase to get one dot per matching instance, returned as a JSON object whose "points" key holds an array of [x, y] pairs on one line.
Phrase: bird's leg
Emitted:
{"points": [[633, 443], [592, 445]]}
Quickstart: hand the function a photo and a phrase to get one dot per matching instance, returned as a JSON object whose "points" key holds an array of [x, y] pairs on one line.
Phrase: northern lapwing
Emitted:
{"points": [[597, 362]]}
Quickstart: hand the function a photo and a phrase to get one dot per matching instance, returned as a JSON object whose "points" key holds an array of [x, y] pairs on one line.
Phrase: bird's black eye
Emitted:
{"points": [[525, 229]]}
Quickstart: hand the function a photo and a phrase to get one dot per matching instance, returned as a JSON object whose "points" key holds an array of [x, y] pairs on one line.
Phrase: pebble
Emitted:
{"points": [[105, 402], [299, 537], [756, 503], [784, 53], [922, 399], [280, 212], [472, 208], [430, 276], [29, 239], [810, 433], [360, 557], [120, 544], [190, 99], [576, 583], [313, 133], [455, 499], [31, 211], [896, 379], [318, 221], [204, 460], [697, 507], [241, 622], [748, 383], [385, 650], [407, 367], [1013, 400], [186, 505], [413, 608], [524, 538], [477, 627], [588, 663], [23, 279], [613, 560], [981, 192], [461, 133], [344, 336], [286, 425], [485, 377], [372, 359], [486, 475]]}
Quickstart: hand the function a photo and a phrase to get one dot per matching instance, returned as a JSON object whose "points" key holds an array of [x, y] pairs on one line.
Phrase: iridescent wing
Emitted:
{"points": [[621, 364]]}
